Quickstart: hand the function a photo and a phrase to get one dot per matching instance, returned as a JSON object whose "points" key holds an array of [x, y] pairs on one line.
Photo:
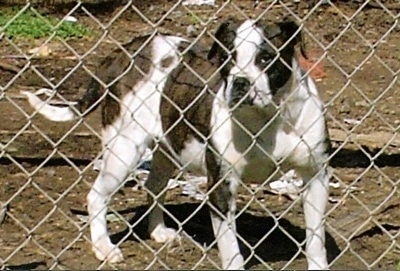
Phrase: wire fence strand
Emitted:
{"points": [[47, 168]]}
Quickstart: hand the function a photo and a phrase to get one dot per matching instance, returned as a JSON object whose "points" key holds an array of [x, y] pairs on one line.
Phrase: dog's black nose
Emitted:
{"points": [[240, 88], [241, 83]]}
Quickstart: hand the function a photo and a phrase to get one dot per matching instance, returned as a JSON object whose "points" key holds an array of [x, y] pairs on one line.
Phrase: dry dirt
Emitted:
{"points": [[46, 168]]}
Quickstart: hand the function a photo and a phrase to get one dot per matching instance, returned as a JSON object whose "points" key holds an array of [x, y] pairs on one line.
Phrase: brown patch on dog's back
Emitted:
{"points": [[132, 71], [189, 96], [124, 68]]}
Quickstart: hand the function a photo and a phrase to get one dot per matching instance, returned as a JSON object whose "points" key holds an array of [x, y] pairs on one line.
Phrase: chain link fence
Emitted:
{"points": [[47, 168]]}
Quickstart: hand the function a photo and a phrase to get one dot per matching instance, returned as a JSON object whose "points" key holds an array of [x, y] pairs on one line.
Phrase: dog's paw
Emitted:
{"points": [[108, 252], [162, 234]]}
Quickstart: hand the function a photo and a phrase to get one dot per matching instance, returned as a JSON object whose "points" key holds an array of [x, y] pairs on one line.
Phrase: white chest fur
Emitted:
{"points": [[257, 140]]}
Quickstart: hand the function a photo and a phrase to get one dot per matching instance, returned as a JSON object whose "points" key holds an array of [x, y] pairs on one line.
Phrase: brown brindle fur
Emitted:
{"points": [[127, 70], [186, 94]]}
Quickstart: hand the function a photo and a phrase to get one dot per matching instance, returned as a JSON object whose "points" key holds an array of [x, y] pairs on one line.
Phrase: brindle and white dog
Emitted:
{"points": [[236, 114]]}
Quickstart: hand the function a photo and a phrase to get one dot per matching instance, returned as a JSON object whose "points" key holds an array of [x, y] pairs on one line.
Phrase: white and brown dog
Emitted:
{"points": [[236, 114]]}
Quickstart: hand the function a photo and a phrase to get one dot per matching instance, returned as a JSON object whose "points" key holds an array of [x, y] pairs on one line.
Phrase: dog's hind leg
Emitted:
{"points": [[315, 197], [121, 154], [162, 169]]}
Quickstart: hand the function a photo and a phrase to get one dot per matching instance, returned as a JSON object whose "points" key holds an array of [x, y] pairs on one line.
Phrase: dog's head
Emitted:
{"points": [[255, 58]]}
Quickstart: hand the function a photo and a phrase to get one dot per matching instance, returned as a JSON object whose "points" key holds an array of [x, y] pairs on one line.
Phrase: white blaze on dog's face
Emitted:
{"points": [[246, 81], [255, 58]]}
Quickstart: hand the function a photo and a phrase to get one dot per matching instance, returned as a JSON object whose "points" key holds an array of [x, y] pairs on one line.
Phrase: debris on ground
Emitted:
{"points": [[198, 2], [3, 212]]}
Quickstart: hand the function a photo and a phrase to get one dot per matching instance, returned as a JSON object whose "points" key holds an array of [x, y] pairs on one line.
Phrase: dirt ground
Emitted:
{"points": [[46, 168]]}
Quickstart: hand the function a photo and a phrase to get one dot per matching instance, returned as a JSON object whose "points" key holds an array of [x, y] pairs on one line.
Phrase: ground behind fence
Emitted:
{"points": [[46, 168]]}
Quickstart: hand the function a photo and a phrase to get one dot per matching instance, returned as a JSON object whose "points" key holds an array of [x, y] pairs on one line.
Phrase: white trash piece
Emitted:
{"points": [[198, 2], [287, 185], [351, 121], [191, 187]]}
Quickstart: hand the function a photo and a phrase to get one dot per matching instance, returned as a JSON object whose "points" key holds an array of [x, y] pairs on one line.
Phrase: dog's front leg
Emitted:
{"points": [[223, 200], [315, 198], [225, 232]]}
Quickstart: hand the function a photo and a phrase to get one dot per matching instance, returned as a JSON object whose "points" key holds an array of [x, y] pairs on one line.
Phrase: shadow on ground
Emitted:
{"points": [[277, 246], [342, 158], [26, 266]]}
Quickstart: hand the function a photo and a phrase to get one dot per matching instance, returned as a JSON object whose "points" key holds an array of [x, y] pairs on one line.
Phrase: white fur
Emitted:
{"points": [[192, 157], [52, 113], [246, 43], [226, 236]]}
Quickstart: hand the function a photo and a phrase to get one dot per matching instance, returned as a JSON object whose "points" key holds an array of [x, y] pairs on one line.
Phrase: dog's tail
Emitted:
{"points": [[88, 103], [110, 68]]}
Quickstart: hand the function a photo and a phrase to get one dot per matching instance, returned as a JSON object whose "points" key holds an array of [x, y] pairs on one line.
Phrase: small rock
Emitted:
{"points": [[71, 19], [51, 172], [333, 10], [191, 31], [41, 51], [362, 103]]}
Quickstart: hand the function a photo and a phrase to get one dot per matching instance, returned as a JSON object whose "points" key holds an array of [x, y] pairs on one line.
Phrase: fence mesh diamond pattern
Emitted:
{"points": [[47, 168]]}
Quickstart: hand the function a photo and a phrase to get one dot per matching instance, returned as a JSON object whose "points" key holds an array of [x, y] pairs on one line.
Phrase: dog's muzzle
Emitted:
{"points": [[240, 92]]}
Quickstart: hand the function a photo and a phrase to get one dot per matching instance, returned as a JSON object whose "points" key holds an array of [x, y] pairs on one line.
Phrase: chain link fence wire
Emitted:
{"points": [[47, 168]]}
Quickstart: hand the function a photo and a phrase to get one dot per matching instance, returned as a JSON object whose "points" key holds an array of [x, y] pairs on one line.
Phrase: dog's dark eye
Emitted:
{"points": [[265, 55], [264, 60]]}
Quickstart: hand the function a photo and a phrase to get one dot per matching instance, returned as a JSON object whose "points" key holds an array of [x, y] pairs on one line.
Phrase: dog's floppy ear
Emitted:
{"points": [[224, 36], [287, 30]]}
